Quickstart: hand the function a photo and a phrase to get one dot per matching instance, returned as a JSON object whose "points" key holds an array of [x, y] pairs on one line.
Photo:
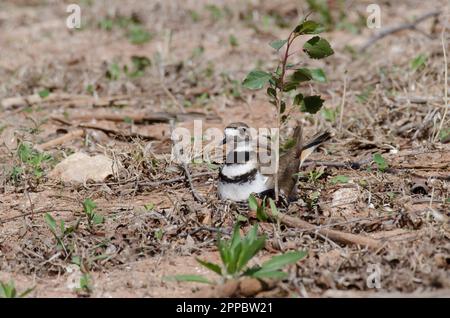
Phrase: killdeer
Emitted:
{"points": [[241, 174]]}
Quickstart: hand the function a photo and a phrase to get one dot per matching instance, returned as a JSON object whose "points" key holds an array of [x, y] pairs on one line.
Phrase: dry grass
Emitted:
{"points": [[389, 108]]}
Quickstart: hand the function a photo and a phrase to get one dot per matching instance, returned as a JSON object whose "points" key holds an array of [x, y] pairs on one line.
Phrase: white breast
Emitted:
{"points": [[240, 191]]}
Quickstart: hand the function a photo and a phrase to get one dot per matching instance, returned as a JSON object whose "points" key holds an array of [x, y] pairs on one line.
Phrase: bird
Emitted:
{"points": [[242, 173]]}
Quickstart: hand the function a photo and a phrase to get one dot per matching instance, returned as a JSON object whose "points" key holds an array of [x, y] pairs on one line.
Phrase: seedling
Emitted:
{"points": [[381, 162], [339, 179], [89, 207], [8, 290], [32, 162], [287, 78], [134, 29], [418, 62], [62, 229], [44, 93], [235, 255], [261, 214], [315, 175]]}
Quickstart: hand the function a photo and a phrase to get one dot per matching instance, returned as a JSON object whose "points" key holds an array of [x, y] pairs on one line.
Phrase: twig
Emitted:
{"points": [[117, 132], [401, 27], [60, 140], [62, 98], [341, 237], [445, 84], [341, 117], [191, 185], [41, 211]]}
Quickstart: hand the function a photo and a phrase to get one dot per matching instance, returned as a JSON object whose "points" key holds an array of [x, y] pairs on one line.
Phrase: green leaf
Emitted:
{"points": [[44, 93], [26, 292], [311, 104], [273, 274], [278, 44], [214, 267], [113, 72], [419, 61], [309, 27], [301, 75], [298, 99], [233, 41], [261, 214], [279, 261], [50, 222], [271, 92], [97, 219], [138, 35], [339, 179], [252, 203], [380, 161], [188, 278], [289, 86], [273, 207], [318, 75], [89, 206], [248, 253], [256, 79], [149, 206], [317, 48]]}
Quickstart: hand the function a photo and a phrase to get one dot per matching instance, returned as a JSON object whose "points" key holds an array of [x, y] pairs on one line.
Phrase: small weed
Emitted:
{"points": [[235, 255], [44, 93], [380, 161], [89, 207], [339, 179], [418, 62], [61, 228], [32, 162], [233, 41], [8, 290], [134, 30], [315, 175]]}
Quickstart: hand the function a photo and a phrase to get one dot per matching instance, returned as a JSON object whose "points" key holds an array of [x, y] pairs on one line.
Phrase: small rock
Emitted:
{"points": [[344, 202], [80, 167]]}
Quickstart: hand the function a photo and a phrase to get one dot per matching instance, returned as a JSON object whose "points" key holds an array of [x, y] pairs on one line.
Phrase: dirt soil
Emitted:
{"points": [[187, 59]]}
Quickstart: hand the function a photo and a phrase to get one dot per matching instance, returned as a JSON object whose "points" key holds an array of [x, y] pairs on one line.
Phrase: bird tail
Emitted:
{"points": [[312, 145]]}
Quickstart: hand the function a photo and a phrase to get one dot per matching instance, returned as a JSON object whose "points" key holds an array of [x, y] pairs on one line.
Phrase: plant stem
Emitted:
{"points": [[279, 102]]}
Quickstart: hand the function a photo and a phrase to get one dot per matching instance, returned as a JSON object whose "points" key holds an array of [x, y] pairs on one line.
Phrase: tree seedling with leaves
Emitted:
{"points": [[287, 77], [235, 255]]}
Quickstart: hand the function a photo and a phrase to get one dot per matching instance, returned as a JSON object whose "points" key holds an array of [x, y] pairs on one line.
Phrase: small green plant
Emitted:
{"points": [[261, 214], [315, 175], [233, 41], [339, 179], [287, 78], [381, 162], [89, 207], [418, 62], [85, 283], [8, 290], [44, 93], [32, 162], [235, 255], [138, 35], [139, 65], [59, 231], [134, 30]]}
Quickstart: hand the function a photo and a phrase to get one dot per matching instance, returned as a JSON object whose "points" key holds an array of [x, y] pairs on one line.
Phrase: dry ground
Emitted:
{"points": [[199, 52]]}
